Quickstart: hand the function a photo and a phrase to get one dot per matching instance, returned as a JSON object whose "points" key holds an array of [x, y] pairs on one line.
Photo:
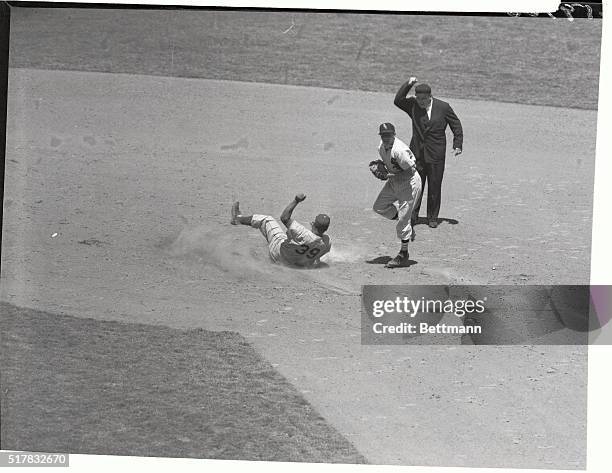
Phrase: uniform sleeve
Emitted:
{"points": [[327, 242], [403, 160], [299, 233]]}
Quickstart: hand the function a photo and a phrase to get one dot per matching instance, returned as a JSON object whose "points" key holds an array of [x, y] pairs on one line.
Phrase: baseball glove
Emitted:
{"points": [[379, 170]]}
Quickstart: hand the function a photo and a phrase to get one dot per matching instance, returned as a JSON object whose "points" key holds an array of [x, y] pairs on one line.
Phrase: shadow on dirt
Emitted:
{"points": [[424, 221], [386, 259], [380, 260]]}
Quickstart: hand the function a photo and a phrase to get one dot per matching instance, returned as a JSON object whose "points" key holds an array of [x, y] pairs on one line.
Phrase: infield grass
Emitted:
{"points": [[86, 386]]}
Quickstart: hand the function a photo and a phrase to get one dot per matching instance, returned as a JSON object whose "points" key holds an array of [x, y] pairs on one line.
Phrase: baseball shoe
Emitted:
{"points": [[433, 223], [400, 261], [235, 213]]}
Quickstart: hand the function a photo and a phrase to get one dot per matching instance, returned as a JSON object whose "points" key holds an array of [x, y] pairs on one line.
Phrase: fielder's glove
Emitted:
{"points": [[379, 170]]}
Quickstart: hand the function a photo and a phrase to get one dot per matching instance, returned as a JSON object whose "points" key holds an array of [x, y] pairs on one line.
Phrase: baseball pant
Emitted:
{"points": [[405, 191], [273, 232], [431, 174]]}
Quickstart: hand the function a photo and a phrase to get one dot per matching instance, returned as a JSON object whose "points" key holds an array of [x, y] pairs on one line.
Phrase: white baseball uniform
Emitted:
{"points": [[403, 187], [296, 247]]}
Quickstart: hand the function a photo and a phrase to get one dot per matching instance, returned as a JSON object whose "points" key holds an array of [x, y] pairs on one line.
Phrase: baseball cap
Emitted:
{"points": [[322, 222], [386, 128], [422, 89]]}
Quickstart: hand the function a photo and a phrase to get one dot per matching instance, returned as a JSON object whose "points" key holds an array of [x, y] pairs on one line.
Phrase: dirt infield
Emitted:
{"points": [[117, 197]]}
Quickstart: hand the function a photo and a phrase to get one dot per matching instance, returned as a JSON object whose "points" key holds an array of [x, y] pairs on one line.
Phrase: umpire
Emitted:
{"points": [[430, 117]]}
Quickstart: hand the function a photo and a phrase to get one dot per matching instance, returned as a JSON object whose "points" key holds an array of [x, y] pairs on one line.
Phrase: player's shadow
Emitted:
{"points": [[424, 221], [386, 259]]}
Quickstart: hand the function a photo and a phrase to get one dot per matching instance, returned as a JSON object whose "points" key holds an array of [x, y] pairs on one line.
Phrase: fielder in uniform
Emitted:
{"points": [[298, 246], [397, 166]]}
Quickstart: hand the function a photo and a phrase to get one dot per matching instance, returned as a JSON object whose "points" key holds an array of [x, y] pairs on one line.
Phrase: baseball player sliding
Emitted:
{"points": [[397, 166], [298, 247]]}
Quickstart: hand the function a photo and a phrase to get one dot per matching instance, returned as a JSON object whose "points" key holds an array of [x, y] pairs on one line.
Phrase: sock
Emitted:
{"points": [[404, 248]]}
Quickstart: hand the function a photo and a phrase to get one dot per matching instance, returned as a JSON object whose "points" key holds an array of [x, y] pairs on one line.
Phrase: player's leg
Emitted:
{"points": [[417, 205], [407, 193], [385, 202], [402, 259], [237, 217], [413, 196], [434, 193], [270, 229]]}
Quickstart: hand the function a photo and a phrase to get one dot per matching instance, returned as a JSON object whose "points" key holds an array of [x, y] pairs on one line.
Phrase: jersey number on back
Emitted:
{"points": [[310, 252]]}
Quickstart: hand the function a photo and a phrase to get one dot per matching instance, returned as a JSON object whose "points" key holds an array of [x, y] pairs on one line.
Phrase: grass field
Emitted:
{"points": [[85, 386], [524, 60]]}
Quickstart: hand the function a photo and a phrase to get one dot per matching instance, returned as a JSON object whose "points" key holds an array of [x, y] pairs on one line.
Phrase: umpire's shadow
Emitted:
{"points": [[424, 221], [386, 259]]}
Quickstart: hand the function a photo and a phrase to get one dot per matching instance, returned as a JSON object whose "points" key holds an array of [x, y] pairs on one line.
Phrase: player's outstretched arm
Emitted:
{"points": [[400, 97], [286, 215]]}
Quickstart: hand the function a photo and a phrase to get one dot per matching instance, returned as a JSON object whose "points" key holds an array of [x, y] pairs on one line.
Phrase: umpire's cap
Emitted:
{"points": [[322, 222], [386, 128], [422, 89]]}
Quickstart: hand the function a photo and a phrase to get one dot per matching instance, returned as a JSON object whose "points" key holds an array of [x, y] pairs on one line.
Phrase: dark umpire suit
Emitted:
{"points": [[429, 143]]}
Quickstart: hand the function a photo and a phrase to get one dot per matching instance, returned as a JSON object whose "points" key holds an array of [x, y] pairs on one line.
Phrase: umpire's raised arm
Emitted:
{"points": [[400, 100]]}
